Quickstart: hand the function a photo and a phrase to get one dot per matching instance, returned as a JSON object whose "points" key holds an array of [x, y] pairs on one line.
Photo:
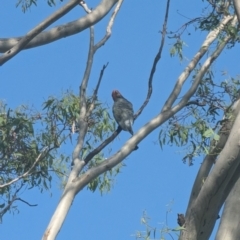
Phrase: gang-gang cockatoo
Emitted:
{"points": [[122, 111]]}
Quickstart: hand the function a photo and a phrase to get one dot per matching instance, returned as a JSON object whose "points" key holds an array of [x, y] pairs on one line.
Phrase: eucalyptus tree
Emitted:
{"points": [[200, 119]]}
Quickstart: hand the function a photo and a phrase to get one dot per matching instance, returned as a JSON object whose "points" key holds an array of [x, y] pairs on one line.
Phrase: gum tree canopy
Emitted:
{"points": [[200, 115]]}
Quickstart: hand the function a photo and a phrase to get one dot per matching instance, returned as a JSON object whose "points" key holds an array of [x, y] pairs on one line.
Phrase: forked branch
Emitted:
{"points": [[149, 93]]}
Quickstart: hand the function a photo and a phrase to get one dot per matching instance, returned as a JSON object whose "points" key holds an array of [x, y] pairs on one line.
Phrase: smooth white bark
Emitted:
{"points": [[230, 220], [204, 211], [64, 30], [237, 8]]}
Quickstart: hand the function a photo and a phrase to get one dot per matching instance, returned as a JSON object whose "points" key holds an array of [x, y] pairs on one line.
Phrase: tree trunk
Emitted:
{"points": [[203, 212], [229, 227]]}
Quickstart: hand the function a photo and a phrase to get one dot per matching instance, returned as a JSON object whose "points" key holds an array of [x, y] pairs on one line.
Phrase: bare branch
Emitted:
{"points": [[10, 202], [94, 97], [34, 32], [109, 27], [64, 30], [102, 145], [196, 102], [154, 66], [82, 122], [84, 6], [30, 205], [157, 58]]}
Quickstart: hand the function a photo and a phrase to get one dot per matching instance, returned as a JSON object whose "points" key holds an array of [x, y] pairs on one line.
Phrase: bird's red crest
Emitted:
{"points": [[116, 94]]}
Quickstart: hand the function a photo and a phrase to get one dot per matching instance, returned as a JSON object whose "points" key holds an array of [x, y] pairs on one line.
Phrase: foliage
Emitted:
{"points": [[30, 142], [210, 19], [177, 49], [26, 4], [105, 181], [199, 122], [29, 156], [160, 233]]}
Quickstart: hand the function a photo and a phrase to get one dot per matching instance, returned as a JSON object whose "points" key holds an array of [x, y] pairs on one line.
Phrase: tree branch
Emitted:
{"points": [[209, 160], [108, 164], [30, 205], [200, 222], [34, 32], [154, 66], [156, 60], [82, 122], [70, 189], [229, 224], [10, 202], [64, 30], [94, 97], [185, 74], [236, 4], [200, 74], [109, 27]]}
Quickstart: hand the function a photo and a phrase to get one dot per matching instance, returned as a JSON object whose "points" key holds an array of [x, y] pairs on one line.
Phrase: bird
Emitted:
{"points": [[122, 111]]}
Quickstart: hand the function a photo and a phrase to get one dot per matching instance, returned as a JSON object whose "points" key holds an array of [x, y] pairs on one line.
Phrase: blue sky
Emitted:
{"points": [[152, 177]]}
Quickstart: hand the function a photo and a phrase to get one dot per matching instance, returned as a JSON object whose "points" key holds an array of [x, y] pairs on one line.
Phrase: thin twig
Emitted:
{"points": [[94, 97], [196, 102], [109, 27], [10, 202], [31, 205], [102, 145], [155, 62], [85, 7]]}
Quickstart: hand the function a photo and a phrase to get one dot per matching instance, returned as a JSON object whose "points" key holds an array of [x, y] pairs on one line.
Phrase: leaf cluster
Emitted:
{"points": [[30, 141], [198, 124], [27, 4], [212, 15], [159, 233]]}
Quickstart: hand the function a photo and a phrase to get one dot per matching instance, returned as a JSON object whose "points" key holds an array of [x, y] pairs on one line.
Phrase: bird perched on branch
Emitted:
{"points": [[122, 111]]}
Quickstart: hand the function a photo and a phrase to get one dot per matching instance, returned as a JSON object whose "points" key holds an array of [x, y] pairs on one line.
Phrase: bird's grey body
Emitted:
{"points": [[122, 111]]}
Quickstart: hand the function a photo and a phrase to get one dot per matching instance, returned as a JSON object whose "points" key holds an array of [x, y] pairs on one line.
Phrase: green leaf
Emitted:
{"points": [[208, 133]]}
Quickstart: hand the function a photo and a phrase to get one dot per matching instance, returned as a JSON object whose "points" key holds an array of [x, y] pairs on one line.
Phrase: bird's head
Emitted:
{"points": [[116, 94]]}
